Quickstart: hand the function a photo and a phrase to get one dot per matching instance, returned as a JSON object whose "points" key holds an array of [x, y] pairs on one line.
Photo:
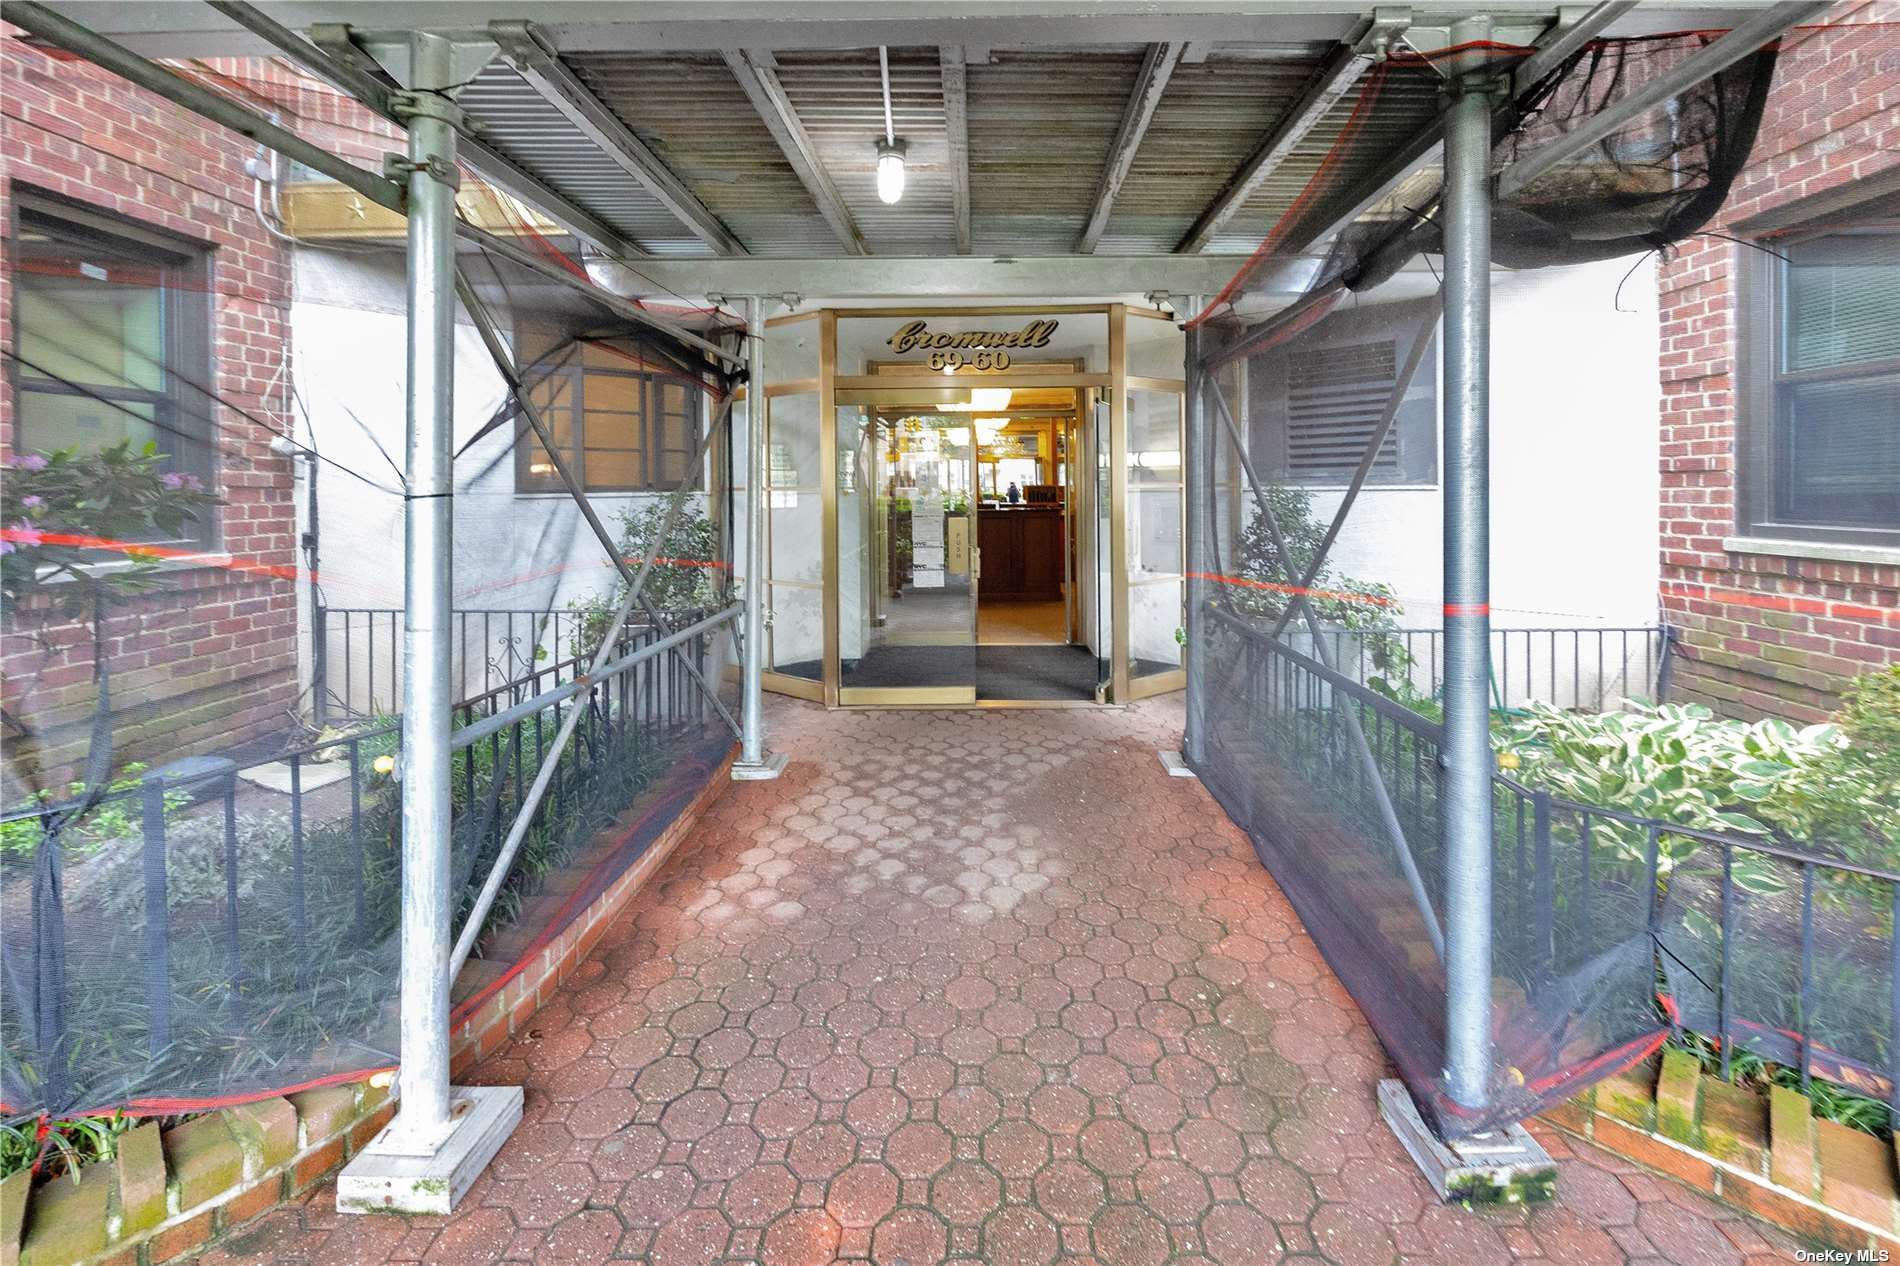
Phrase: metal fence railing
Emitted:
{"points": [[214, 929], [1591, 668], [1762, 948], [356, 653]]}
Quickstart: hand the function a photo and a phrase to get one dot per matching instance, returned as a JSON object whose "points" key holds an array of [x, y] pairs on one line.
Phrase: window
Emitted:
{"points": [[1821, 387], [1318, 398], [112, 327], [619, 427]]}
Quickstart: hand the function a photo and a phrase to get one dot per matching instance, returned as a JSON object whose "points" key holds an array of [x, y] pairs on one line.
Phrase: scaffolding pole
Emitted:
{"points": [[1198, 455], [441, 1138], [428, 652], [755, 763], [1466, 799]]}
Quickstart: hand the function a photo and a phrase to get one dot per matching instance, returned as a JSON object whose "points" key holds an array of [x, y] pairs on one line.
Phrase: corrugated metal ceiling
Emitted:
{"points": [[1041, 123]]}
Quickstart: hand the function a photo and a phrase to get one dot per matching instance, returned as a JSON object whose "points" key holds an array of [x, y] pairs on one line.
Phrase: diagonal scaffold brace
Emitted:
{"points": [[517, 388], [636, 583], [1369, 764]]}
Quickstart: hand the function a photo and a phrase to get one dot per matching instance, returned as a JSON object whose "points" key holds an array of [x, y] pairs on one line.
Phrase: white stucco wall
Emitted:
{"points": [[1575, 399], [514, 551], [1575, 394]]}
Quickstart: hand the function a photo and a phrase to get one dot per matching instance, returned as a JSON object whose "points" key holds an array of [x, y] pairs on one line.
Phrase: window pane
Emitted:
{"points": [[93, 333], [50, 420], [1839, 297], [1840, 446], [537, 468], [612, 468], [618, 393], [92, 307]]}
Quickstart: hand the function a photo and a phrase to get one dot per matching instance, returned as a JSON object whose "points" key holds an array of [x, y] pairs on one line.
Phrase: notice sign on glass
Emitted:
{"points": [[926, 542]]}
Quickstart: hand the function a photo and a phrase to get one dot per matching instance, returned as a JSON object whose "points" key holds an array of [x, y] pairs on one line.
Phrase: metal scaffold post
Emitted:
{"points": [[442, 1137], [1466, 803], [1198, 466], [1506, 1159], [755, 763]]}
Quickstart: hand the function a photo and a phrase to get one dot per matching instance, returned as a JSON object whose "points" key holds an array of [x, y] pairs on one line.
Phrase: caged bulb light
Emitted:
{"points": [[890, 170]]}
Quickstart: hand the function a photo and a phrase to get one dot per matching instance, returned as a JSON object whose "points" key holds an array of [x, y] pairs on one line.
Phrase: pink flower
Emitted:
{"points": [[175, 481], [30, 461], [33, 502], [24, 533]]}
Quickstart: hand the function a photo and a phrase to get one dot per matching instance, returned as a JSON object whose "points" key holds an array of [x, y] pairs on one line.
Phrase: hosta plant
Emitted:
{"points": [[1679, 764]]}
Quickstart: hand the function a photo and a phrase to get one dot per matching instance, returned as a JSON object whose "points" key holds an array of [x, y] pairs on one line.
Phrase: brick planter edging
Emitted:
{"points": [[1764, 1154], [172, 1192]]}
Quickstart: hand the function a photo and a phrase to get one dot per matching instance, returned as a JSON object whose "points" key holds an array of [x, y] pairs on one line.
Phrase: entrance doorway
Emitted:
{"points": [[960, 549], [977, 506]]}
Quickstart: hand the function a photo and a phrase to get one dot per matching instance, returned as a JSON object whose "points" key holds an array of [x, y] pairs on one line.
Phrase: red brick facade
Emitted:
{"points": [[1761, 633], [208, 660]]}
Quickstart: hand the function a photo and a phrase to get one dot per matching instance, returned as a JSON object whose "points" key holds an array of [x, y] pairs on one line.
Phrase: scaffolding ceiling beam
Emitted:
{"points": [[349, 69], [186, 28], [758, 78], [1770, 24], [1428, 146], [956, 127], [952, 276], [536, 61], [1346, 65], [1157, 67]]}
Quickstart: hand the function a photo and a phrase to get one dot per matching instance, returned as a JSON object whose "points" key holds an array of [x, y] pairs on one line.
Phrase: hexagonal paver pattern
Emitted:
{"points": [[980, 987]]}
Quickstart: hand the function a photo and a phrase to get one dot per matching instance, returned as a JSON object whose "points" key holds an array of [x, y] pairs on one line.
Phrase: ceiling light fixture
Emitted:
{"points": [[890, 150]]}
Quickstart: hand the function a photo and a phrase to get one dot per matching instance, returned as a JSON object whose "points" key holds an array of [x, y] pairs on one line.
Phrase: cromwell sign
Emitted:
{"points": [[970, 349]]}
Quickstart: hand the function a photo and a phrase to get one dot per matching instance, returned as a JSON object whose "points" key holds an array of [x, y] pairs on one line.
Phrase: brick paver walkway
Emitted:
{"points": [[985, 986]]}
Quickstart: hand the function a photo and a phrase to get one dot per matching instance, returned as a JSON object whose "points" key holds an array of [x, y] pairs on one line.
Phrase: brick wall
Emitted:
{"points": [[1764, 634], [208, 659]]}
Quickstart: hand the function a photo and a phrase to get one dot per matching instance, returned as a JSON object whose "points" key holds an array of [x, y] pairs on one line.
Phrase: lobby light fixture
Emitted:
{"points": [[890, 150]]}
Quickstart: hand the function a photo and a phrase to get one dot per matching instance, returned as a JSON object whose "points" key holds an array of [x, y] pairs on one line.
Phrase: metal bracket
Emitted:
{"points": [[399, 167], [1480, 31], [1389, 23]]}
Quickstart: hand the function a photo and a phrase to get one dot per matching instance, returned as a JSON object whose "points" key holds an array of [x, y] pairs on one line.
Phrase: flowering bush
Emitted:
{"points": [[63, 512]]}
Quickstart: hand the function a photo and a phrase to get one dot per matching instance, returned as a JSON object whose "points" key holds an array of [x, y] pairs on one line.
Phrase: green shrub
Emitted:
{"points": [[1338, 601], [683, 585]]}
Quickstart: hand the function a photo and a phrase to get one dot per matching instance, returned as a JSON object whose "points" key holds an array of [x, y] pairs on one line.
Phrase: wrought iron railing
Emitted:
{"points": [[356, 653], [1591, 668], [271, 962]]}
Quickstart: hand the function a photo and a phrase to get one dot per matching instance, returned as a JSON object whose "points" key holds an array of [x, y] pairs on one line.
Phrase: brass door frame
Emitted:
{"points": [[917, 696], [1111, 387]]}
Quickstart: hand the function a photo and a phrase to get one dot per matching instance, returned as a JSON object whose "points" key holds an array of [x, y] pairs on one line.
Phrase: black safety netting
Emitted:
{"points": [[203, 564], [1317, 721]]}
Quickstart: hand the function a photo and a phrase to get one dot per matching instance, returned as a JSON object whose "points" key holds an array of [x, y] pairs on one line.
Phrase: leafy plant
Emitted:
{"points": [[117, 816], [1337, 601], [1831, 1102], [1847, 798], [67, 510], [682, 577], [1677, 763], [68, 1144]]}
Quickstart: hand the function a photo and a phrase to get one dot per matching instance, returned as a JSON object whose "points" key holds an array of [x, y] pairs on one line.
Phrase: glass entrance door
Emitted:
{"points": [[907, 558]]}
